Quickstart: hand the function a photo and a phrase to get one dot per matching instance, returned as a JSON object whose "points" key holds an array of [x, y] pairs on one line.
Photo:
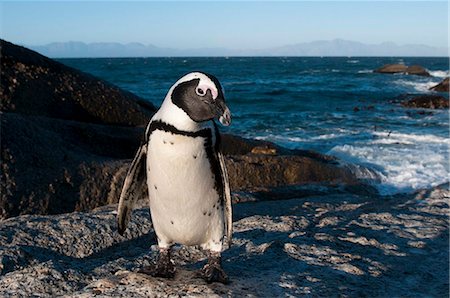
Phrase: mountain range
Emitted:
{"points": [[336, 47]]}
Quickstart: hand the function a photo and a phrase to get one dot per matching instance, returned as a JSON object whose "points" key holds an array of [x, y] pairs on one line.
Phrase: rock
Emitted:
{"points": [[54, 166], [363, 246], [429, 101], [401, 68], [417, 70], [256, 172], [32, 84], [392, 68], [442, 86]]}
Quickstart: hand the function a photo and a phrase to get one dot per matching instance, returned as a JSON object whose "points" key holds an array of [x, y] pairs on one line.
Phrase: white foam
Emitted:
{"points": [[439, 73], [418, 86], [405, 162], [352, 61], [328, 136], [411, 138], [277, 138], [365, 71]]}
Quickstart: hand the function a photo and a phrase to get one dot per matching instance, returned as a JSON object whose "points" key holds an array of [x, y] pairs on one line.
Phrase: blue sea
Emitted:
{"points": [[336, 106]]}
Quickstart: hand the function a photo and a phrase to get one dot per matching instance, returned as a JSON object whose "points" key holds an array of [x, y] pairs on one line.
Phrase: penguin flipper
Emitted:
{"points": [[227, 199], [133, 188]]}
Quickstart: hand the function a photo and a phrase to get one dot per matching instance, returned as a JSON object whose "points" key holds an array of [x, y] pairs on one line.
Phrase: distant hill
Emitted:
{"points": [[336, 47]]}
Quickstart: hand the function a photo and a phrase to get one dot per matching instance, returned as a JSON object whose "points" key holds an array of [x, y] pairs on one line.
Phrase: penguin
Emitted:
{"points": [[181, 164]]}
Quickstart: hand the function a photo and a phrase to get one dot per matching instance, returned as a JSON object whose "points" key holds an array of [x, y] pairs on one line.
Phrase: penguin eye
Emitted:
{"points": [[200, 91]]}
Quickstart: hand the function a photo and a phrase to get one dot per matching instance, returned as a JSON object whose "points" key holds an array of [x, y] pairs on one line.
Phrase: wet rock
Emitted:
{"points": [[32, 84], [401, 68], [442, 86], [429, 101]]}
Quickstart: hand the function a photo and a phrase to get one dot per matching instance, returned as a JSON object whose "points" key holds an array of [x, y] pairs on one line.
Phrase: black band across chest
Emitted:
{"points": [[160, 125]]}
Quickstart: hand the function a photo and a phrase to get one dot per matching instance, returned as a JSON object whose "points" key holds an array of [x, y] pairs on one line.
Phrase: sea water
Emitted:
{"points": [[336, 106]]}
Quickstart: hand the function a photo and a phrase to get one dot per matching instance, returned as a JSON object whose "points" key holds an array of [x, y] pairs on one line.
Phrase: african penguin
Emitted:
{"points": [[181, 165]]}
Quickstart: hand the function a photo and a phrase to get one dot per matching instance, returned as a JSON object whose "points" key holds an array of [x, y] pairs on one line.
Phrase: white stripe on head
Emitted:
{"points": [[204, 84]]}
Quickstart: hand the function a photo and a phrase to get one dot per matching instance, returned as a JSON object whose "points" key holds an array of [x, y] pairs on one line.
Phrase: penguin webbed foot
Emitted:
{"points": [[163, 267], [213, 272]]}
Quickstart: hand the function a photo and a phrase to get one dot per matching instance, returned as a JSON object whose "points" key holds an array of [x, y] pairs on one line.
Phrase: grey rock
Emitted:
{"points": [[314, 246]]}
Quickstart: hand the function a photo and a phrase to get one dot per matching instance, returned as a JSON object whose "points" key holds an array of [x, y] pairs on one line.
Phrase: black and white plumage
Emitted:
{"points": [[181, 164]]}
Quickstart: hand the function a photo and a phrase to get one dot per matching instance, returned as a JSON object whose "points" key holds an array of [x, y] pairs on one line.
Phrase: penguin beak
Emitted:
{"points": [[225, 119], [223, 113]]}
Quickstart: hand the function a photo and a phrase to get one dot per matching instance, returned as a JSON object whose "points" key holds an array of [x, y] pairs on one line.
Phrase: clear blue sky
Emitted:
{"points": [[239, 25]]}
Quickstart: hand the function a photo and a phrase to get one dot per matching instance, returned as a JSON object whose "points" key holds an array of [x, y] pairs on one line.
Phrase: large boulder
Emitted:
{"points": [[32, 84], [417, 70], [54, 166], [401, 68], [442, 86], [392, 68]]}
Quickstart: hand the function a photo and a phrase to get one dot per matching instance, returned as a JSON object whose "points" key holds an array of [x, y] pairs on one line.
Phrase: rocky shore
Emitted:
{"points": [[68, 138], [304, 223]]}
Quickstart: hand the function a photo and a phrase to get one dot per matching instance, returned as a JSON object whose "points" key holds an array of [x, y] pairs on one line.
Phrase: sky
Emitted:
{"points": [[237, 25]]}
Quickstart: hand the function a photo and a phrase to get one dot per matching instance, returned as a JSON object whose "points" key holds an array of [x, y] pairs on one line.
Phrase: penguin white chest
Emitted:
{"points": [[185, 205]]}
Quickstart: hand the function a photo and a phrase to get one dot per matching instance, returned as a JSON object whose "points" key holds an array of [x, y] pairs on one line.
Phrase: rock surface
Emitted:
{"points": [[54, 166], [32, 84], [442, 86], [322, 246], [401, 68], [429, 101]]}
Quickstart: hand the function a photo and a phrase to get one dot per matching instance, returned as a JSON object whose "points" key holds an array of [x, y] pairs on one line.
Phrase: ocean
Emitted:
{"points": [[333, 105]]}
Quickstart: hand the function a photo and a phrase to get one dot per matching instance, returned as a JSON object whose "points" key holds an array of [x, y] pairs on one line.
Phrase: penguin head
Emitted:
{"points": [[201, 97]]}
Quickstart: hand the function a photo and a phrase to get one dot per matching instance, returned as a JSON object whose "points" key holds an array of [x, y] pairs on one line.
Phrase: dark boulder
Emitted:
{"points": [[401, 68], [36, 85], [442, 86], [429, 101], [52, 166]]}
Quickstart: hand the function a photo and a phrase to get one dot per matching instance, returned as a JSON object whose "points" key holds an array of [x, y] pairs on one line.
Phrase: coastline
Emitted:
{"points": [[304, 223]]}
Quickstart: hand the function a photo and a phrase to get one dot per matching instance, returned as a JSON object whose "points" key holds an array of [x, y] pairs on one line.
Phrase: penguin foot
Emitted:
{"points": [[163, 267], [213, 272]]}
